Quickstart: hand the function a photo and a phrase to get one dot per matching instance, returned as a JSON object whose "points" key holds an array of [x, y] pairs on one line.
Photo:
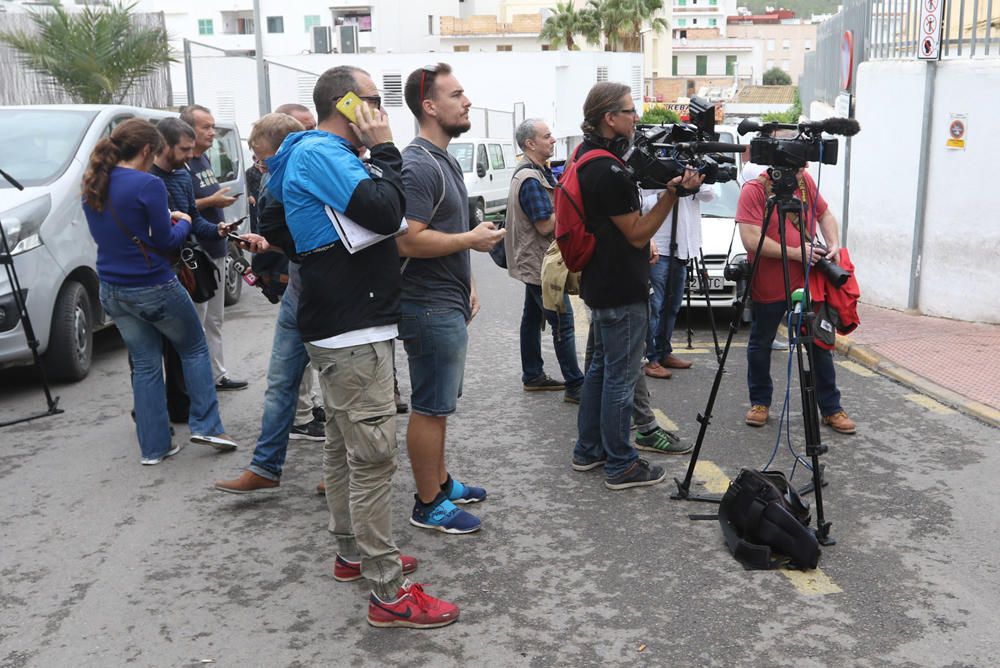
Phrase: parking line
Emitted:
{"points": [[664, 421], [691, 351], [856, 368], [928, 403], [711, 476], [812, 583]]}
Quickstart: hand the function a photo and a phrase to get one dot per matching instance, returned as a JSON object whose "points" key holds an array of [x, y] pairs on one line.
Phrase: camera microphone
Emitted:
{"points": [[848, 127]]}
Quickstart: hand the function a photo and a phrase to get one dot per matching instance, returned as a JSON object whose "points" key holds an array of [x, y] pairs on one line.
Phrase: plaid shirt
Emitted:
{"points": [[534, 198]]}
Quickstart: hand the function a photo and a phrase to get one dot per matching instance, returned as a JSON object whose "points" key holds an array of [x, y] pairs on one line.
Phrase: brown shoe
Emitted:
{"points": [[654, 370], [247, 482], [672, 361], [757, 415], [321, 489], [840, 423]]}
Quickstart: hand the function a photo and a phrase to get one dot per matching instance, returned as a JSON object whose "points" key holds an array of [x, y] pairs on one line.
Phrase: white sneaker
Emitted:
{"points": [[146, 461], [221, 442]]}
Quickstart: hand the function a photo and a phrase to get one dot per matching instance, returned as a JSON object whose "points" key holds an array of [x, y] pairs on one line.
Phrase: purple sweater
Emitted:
{"points": [[140, 202]]}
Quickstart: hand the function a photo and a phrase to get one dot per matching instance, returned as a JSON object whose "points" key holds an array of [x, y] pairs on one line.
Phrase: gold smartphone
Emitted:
{"points": [[348, 106]]}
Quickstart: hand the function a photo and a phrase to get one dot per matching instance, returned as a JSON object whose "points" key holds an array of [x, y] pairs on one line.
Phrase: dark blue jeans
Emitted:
{"points": [[661, 322], [766, 318], [609, 387], [284, 375], [563, 338]]}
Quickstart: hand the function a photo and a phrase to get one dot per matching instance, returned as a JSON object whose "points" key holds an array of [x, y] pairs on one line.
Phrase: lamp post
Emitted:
{"points": [[263, 94]]}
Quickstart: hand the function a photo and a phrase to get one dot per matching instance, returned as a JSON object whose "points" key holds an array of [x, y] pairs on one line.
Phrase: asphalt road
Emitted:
{"points": [[104, 562]]}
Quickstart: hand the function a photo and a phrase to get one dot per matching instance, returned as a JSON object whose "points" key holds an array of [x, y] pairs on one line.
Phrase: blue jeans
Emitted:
{"points": [[435, 340], [766, 318], [661, 323], [144, 315], [562, 338], [284, 375], [609, 387]]}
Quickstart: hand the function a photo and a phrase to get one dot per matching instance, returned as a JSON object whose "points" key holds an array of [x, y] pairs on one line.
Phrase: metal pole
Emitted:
{"points": [[263, 95], [188, 72], [916, 256]]}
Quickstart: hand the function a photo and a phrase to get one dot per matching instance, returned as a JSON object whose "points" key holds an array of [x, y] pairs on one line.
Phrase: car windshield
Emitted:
{"points": [[462, 152], [40, 143], [727, 194]]}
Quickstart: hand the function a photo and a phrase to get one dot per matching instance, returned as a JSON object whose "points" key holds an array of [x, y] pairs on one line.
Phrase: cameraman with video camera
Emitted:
{"points": [[767, 291], [615, 285]]}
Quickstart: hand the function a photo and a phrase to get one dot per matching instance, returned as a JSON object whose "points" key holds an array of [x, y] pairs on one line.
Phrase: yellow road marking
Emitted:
{"points": [[691, 351], [928, 403], [812, 583], [664, 421], [711, 476], [856, 368]]}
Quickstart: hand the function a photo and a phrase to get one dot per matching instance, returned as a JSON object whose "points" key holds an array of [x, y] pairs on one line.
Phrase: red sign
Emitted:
{"points": [[846, 60]]}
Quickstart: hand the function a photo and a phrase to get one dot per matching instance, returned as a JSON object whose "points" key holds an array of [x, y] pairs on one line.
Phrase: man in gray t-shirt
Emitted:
{"points": [[438, 294]]}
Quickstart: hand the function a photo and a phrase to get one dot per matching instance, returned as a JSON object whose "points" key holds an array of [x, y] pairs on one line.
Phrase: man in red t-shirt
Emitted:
{"points": [[767, 291]]}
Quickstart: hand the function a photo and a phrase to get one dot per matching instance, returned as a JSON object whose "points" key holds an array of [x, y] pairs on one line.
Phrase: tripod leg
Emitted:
{"points": [[703, 280]]}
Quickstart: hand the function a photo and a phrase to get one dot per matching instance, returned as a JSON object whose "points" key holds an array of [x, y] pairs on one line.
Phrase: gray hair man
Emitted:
{"points": [[530, 225]]}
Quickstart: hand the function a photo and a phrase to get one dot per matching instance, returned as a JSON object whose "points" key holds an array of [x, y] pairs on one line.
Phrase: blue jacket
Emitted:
{"points": [[180, 197], [340, 292]]}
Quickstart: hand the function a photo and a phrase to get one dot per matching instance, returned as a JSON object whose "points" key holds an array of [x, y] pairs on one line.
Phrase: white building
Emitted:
{"points": [[697, 14]]}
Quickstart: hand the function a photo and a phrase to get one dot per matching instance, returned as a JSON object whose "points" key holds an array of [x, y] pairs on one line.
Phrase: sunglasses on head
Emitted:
{"points": [[432, 70]]}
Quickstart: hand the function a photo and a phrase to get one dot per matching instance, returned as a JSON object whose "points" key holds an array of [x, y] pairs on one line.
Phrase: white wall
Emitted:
{"points": [[962, 238]]}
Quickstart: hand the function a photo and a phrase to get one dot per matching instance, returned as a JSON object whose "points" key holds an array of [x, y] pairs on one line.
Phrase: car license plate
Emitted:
{"points": [[714, 283]]}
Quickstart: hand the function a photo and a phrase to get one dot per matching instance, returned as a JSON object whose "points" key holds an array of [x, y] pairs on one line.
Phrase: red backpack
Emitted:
{"points": [[575, 242]]}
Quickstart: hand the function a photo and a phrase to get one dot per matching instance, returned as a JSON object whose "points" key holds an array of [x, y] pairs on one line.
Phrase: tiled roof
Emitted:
{"points": [[766, 95]]}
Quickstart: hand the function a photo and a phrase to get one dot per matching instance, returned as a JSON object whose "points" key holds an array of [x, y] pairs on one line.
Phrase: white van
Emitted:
{"points": [[47, 150], [488, 165]]}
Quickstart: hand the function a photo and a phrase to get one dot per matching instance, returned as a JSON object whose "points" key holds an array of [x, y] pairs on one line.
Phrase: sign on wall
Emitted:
{"points": [[930, 28], [957, 130]]}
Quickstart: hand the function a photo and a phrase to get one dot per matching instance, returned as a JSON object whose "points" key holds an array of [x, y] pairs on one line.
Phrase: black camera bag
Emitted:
{"points": [[761, 514]]}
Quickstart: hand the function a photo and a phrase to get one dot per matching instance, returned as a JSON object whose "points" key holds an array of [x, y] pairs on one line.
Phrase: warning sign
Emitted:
{"points": [[929, 38], [957, 131]]}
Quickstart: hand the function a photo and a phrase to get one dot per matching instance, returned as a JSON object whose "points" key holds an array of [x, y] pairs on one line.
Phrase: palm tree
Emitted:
{"points": [[565, 22], [621, 21], [95, 55]]}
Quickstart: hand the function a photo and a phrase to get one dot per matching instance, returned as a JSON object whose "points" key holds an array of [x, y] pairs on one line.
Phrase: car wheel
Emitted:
{"points": [[71, 340], [478, 212], [234, 282]]}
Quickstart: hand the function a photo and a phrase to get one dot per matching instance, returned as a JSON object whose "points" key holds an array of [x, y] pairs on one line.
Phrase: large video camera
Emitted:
{"points": [[659, 153]]}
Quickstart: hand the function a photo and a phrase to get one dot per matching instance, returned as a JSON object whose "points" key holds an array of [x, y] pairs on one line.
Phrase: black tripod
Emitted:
{"points": [[7, 260], [697, 264], [785, 183]]}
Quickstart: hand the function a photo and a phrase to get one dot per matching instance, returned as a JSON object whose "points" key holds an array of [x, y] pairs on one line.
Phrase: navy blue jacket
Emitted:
{"points": [[180, 197]]}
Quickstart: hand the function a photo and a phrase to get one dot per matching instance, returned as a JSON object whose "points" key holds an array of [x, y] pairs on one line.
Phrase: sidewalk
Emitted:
{"points": [[955, 362]]}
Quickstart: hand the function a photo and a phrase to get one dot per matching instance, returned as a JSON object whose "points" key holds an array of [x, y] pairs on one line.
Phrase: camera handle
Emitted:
{"points": [[784, 205], [7, 260]]}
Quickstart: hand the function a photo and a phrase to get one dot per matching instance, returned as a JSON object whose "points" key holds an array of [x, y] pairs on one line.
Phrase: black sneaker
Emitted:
{"points": [[640, 474], [572, 394], [310, 431], [319, 414], [227, 383], [580, 464], [544, 384]]}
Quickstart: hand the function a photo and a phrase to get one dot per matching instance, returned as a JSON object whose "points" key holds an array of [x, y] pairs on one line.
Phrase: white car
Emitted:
{"points": [[487, 166], [48, 148]]}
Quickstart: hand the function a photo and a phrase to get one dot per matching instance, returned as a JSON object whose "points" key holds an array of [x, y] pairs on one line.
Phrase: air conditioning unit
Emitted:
{"points": [[321, 39], [348, 35]]}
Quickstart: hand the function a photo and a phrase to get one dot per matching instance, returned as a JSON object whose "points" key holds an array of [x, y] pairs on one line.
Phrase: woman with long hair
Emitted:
{"points": [[136, 234]]}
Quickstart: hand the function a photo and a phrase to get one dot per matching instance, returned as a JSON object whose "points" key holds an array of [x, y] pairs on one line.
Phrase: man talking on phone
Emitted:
{"points": [[348, 317], [211, 199]]}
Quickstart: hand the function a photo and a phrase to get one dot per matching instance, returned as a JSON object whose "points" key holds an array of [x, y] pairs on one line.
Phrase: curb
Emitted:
{"points": [[869, 358], [865, 356]]}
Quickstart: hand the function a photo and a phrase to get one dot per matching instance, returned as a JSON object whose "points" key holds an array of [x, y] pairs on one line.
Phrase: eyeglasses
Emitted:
{"points": [[424, 71], [627, 111], [376, 100]]}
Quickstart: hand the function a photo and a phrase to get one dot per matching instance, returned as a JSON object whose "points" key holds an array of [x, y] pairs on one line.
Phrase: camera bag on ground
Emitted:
{"points": [[576, 243], [762, 514]]}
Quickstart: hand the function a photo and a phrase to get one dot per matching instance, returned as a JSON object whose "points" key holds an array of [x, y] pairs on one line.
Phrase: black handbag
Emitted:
{"points": [[198, 273], [761, 514]]}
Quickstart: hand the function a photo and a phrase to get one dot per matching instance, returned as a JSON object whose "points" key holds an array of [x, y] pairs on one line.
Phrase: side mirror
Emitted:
{"points": [[480, 170]]}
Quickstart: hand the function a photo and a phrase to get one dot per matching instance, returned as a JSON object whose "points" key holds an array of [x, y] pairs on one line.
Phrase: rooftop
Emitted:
{"points": [[766, 95]]}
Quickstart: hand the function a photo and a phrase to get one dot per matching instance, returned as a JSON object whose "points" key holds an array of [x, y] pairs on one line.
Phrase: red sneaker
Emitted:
{"points": [[412, 609], [348, 571]]}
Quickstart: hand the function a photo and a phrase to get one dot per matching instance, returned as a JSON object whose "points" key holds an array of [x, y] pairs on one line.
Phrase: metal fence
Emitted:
{"points": [[20, 85], [889, 30]]}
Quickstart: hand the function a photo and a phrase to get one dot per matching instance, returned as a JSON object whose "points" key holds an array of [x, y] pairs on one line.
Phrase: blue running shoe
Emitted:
{"points": [[460, 493], [444, 516]]}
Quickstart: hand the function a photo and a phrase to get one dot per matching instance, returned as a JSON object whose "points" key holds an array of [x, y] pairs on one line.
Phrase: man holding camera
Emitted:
{"points": [[767, 291], [615, 285]]}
